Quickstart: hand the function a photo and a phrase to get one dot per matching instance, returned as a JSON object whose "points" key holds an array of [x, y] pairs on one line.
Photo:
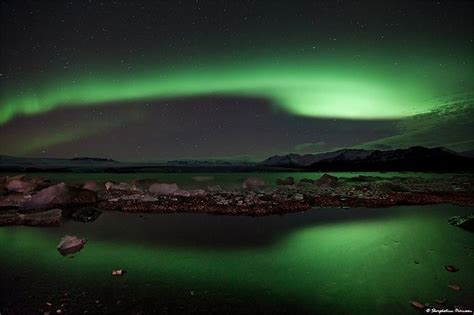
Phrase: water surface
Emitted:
{"points": [[331, 261]]}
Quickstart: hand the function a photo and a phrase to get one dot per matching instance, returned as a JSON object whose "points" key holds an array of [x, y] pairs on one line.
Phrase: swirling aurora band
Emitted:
{"points": [[300, 88]]}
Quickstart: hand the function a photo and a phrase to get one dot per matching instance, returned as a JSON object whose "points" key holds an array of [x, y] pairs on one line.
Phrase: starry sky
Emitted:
{"points": [[157, 80]]}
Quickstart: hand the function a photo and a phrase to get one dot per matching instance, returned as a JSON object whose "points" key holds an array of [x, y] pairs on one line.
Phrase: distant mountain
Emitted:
{"points": [[303, 161], [90, 164], [201, 163], [9, 163], [469, 153], [411, 159]]}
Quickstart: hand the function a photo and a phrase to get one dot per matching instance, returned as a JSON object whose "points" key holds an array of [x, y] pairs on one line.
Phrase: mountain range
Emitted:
{"points": [[416, 158], [412, 159]]}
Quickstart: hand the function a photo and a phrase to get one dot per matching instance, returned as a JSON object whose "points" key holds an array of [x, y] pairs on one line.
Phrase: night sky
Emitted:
{"points": [[154, 80]]}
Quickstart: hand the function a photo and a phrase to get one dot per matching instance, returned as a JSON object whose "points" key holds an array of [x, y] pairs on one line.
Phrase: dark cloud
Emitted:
{"points": [[313, 147], [450, 126]]}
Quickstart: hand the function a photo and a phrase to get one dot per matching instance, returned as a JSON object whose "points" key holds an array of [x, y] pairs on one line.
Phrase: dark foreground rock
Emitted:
{"points": [[92, 185], [60, 195], [327, 181], [285, 181], [253, 183], [163, 188], [328, 191], [267, 203], [21, 184], [464, 222], [253, 199], [70, 245]]}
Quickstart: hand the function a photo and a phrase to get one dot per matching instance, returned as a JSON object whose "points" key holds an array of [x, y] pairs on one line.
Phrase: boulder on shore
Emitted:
{"points": [[182, 193], [91, 185], [253, 182], [197, 192], [327, 181], [163, 188], [120, 186], [60, 195], [21, 186], [285, 181]]}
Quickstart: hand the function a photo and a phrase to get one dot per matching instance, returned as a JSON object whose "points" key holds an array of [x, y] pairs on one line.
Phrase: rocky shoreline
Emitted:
{"points": [[36, 201]]}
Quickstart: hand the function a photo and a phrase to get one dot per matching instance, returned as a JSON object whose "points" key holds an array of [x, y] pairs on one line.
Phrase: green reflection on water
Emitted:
{"points": [[347, 261]]}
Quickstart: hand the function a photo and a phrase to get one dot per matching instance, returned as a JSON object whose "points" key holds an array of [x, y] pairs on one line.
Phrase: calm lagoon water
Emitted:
{"points": [[327, 261]]}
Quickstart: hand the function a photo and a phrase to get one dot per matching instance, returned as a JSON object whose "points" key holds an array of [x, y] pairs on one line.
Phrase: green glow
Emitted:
{"points": [[334, 87], [341, 265]]}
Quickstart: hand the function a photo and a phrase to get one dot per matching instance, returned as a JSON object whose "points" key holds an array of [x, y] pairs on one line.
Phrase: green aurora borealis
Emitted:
{"points": [[146, 80], [307, 85]]}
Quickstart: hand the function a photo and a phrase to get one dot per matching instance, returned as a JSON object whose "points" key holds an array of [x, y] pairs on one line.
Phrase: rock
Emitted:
{"points": [[70, 245], [285, 181], [306, 181], [20, 186], [43, 218], [118, 272], [39, 181], [298, 197], [60, 195], [417, 305], [327, 181], [464, 222], [182, 193], [197, 192], [109, 185], [120, 186], [163, 189], [87, 214], [91, 185], [220, 200], [451, 268], [253, 182], [19, 176], [203, 178], [455, 287]]}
